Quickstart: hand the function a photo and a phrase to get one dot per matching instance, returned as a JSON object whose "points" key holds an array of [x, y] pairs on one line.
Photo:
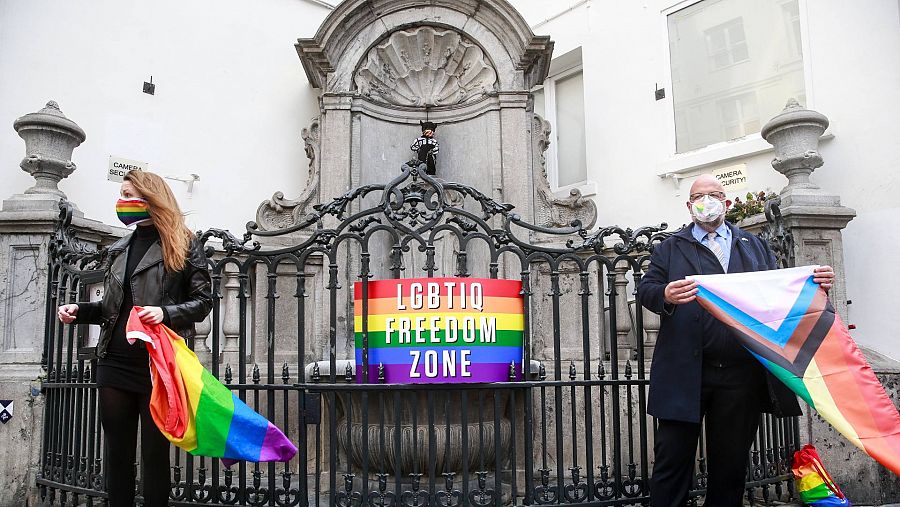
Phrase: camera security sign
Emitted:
{"points": [[119, 166]]}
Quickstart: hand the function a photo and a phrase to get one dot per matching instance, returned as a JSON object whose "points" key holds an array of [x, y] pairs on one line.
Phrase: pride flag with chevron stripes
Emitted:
{"points": [[439, 330], [195, 411], [785, 319]]}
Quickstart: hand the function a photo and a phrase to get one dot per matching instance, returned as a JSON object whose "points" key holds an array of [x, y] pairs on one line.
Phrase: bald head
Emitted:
{"points": [[706, 183], [707, 186]]}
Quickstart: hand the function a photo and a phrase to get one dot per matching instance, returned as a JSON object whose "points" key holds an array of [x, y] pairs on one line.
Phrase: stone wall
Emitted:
{"points": [[24, 236]]}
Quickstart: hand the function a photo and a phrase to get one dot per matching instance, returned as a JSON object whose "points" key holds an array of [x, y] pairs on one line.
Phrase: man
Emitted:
{"points": [[699, 370]]}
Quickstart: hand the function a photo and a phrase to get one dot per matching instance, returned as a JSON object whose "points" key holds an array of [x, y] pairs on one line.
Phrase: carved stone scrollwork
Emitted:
{"points": [[425, 66], [280, 213], [778, 235], [551, 211]]}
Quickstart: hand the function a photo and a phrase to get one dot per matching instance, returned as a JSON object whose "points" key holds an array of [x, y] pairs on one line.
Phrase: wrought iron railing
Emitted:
{"points": [[574, 429]]}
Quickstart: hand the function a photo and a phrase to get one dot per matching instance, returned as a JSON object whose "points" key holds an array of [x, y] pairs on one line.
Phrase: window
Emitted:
{"points": [[733, 67], [726, 44], [739, 116], [792, 25], [560, 101]]}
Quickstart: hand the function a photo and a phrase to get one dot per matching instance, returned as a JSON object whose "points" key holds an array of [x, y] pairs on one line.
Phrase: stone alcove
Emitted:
{"points": [[384, 65]]}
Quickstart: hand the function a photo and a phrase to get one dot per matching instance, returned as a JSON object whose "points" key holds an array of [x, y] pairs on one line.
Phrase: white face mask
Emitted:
{"points": [[707, 209]]}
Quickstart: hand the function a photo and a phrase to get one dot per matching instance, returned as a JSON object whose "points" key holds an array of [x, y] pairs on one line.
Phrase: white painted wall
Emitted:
{"points": [[850, 78], [232, 97]]}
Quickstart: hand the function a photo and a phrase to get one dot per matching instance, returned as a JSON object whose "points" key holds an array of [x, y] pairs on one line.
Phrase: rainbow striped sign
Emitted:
{"points": [[439, 330]]}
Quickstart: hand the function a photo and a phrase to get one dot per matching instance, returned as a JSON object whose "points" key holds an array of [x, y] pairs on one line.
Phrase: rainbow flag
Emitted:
{"points": [[785, 319], [440, 330], [195, 411], [814, 485]]}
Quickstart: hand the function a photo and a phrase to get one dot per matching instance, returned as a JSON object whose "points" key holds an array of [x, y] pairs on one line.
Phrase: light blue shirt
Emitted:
{"points": [[723, 238]]}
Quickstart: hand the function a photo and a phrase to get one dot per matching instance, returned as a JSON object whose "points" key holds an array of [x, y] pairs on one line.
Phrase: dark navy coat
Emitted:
{"points": [[676, 370]]}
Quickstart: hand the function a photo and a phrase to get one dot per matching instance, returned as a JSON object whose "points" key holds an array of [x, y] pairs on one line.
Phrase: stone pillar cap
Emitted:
{"points": [[792, 114], [51, 116]]}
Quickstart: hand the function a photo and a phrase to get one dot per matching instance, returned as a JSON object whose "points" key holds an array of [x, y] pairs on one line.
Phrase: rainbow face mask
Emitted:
{"points": [[132, 211]]}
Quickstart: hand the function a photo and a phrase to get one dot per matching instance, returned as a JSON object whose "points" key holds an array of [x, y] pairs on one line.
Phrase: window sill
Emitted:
{"points": [[719, 153]]}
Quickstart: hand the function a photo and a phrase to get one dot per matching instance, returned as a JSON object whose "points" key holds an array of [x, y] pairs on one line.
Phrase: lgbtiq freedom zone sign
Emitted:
{"points": [[440, 330]]}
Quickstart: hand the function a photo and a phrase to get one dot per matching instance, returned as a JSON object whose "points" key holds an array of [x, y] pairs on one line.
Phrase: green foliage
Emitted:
{"points": [[754, 204]]}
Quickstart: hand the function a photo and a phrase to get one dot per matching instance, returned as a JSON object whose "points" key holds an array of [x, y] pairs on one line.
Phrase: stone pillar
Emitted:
{"points": [[652, 323], [623, 320], [231, 319], [204, 351], [814, 216], [335, 146], [27, 221], [515, 186], [50, 138]]}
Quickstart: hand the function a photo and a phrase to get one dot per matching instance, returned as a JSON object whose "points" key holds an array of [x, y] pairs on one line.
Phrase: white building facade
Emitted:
{"points": [[665, 91]]}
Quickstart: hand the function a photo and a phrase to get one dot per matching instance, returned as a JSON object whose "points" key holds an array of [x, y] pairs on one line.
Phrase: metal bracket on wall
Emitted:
{"points": [[676, 181], [150, 88]]}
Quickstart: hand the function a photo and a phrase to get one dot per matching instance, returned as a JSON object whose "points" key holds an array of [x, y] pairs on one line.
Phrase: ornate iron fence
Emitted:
{"points": [[570, 428]]}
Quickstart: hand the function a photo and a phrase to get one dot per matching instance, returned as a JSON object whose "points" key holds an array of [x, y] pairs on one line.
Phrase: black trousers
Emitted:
{"points": [[731, 403], [119, 413]]}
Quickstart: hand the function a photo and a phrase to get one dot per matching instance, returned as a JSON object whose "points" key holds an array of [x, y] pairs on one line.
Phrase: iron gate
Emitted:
{"points": [[574, 430]]}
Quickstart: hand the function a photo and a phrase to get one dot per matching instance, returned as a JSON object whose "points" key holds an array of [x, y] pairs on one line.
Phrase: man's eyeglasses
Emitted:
{"points": [[715, 195]]}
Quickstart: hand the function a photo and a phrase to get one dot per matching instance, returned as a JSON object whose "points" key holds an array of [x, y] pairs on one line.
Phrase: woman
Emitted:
{"points": [[161, 267]]}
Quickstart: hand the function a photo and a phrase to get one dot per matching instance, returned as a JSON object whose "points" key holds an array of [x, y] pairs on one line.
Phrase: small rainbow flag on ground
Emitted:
{"points": [[440, 330], [195, 411], [814, 485], [787, 322]]}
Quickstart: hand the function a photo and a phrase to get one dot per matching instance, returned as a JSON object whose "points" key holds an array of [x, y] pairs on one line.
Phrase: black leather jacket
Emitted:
{"points": [[183, 295]]}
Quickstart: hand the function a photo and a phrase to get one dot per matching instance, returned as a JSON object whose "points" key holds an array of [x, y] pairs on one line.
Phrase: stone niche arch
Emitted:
{"points": [[382, 66], [330, 57], [425, 66]]}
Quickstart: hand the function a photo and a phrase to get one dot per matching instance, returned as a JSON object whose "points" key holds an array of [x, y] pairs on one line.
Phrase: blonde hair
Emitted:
{"points": [[174, 235]]}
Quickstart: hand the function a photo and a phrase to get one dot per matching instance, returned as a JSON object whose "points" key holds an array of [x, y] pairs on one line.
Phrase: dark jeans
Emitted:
{"points": [[119, 414], [731, 406]]}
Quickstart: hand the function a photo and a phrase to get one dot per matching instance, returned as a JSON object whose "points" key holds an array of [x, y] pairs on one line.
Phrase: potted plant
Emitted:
{"points": [[748, 213]]}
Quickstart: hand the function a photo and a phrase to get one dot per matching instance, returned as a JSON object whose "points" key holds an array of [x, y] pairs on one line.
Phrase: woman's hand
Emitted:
{"points": [[66, 313], [151, 315]]}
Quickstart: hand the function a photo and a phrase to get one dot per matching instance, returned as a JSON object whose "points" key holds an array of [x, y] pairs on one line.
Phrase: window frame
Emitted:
{"points": [[586, 186], [674, 163], [729, 45]]}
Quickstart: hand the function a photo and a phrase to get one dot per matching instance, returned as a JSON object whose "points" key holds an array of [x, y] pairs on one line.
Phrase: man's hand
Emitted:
{"points": [[680, 292], [67, 313], [151, 315], [824, 276]]}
